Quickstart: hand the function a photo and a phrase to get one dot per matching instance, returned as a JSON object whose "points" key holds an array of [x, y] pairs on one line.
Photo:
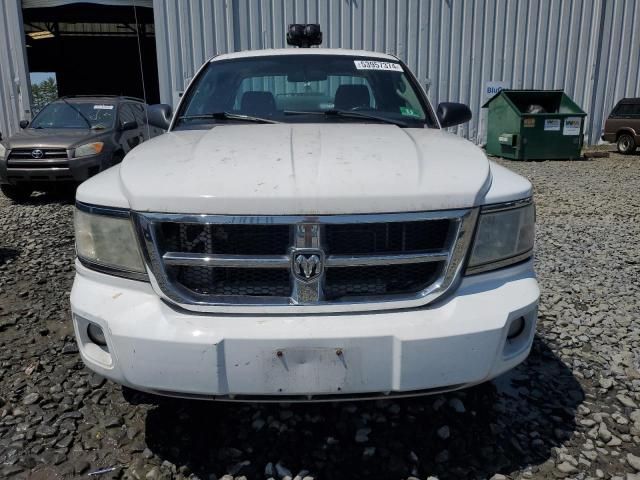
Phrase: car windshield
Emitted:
{"points": [[75, 114], [304, 88]]}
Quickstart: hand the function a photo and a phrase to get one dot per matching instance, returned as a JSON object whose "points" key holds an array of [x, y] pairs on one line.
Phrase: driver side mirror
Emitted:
{"points": [[451, 113], [24, 124], [128, 125], [160, 115]]}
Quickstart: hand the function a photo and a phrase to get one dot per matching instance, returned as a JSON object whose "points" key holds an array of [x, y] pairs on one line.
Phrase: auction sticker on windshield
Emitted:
{"points": [[103, 107], [374, 65]]}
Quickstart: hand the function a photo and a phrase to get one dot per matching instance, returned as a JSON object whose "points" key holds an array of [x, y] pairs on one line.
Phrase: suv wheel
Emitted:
{"points": [[626, 144], [17, 193]]}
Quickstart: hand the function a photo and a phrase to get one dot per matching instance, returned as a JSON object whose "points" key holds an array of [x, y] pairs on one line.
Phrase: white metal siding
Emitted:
{"points": [[191, 32], [14, 85], [588, 48], [617, 71]]}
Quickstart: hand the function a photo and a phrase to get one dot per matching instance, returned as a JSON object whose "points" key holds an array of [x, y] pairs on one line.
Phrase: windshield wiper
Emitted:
{"points": [[227, 116], [79, 113], [350, 114]]}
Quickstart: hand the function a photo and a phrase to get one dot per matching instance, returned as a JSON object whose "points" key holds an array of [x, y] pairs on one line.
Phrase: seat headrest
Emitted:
{"points": [[351, 96], [257, 103]]}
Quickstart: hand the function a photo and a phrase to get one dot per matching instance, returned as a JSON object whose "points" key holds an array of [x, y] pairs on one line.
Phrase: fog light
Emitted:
{"points": [[96, 335], [516, 328]]}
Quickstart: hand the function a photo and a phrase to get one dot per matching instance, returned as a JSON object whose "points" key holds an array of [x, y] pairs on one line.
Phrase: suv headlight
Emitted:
{"points": [[87, 149], [108, 243], [505, 235], [3, 151]]}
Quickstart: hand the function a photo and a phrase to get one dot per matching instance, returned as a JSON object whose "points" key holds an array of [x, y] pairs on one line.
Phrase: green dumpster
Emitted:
{"points": [[534, 124]]}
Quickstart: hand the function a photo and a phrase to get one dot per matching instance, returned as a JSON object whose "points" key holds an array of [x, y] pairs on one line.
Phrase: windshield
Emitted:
{"points": [[300, 88], [74, 114]]}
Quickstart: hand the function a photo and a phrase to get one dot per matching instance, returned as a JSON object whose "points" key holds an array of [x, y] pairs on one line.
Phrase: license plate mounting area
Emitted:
{"points": [[292, 370]]}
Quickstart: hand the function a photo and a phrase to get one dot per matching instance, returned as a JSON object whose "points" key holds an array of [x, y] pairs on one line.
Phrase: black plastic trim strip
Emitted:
{"points": [[499, 207], [503, 263], [116, 272], [102, 210]]}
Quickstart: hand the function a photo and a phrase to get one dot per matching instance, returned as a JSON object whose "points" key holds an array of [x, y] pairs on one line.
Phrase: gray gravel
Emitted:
{"points": [[571, 411]]}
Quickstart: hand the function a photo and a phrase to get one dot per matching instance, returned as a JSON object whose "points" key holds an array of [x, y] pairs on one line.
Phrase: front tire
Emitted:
{"points": [[626, 144], [17, 193]]}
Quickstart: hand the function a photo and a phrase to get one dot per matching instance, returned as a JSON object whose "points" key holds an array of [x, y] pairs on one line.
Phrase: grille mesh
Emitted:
{"points": [[378, 280], [227, 239], [264, 282], [367, 238]]}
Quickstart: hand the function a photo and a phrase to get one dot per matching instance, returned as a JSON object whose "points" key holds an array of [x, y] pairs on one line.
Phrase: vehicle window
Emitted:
{"points": [[75, 114], [272, 86], [627, 109], [313, 95], [126, 114], [409, 95], [138, 113]]}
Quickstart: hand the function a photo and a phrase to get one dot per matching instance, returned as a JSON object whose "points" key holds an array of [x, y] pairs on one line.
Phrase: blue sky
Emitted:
{"points": [[39, 77]]}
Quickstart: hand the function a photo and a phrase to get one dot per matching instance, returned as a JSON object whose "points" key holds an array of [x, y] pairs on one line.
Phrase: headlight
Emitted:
{"points": [[2, 151], [505, 235], [89, 149], [108, 244]]}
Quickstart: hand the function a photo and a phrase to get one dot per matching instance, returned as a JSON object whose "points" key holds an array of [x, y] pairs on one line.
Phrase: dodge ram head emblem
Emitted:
{"points": [[37, 154], [307, 265]]}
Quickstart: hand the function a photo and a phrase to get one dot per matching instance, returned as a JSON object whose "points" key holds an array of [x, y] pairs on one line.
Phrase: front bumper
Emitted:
{"points": [[62, 170], [456, 342]]}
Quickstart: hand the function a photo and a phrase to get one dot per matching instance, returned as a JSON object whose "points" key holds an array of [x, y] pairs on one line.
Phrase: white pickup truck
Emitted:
{"points": [[305, 230]]}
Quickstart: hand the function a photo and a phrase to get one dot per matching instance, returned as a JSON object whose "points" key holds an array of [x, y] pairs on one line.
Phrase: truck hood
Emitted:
{"points": [[50, 137], [304, 169]]}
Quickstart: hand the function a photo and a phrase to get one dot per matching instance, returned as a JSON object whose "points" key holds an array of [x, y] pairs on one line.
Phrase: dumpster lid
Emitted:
{"points": [[505, 91], [535, 102]]}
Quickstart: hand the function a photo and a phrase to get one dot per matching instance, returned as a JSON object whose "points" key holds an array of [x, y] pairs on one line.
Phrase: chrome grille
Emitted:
{"points": [[45, 158], [207, 261], [47, 153]]}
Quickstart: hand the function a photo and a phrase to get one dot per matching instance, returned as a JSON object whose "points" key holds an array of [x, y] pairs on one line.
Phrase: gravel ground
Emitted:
{"points": [[572, 410]]}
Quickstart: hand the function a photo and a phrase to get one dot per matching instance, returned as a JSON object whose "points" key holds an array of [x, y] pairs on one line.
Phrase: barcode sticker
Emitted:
{"points": [[374, 65]]}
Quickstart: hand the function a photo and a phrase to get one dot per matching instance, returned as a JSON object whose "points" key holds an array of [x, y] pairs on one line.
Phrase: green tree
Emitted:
{"points": [[43, 93]]}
